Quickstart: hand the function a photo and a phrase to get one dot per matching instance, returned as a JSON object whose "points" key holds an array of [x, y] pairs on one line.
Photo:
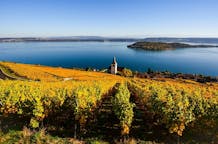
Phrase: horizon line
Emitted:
{"points": [[99, 36]]}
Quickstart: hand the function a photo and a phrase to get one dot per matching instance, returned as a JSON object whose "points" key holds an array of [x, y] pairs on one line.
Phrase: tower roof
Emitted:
{"points": [[114, 60]]}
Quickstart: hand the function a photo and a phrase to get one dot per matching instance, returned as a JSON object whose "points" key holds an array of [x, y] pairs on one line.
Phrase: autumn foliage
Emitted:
{"points": [[176, 104]]}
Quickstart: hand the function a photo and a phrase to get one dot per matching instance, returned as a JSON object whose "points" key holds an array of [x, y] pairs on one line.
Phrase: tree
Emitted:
{"points": [[126, 72]]}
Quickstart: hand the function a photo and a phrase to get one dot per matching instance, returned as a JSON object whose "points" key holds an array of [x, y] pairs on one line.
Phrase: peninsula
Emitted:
{"points": [[158, 46]]}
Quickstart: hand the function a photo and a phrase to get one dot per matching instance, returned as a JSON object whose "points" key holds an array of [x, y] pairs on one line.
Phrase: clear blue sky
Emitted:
{"points": [[120, 18]]}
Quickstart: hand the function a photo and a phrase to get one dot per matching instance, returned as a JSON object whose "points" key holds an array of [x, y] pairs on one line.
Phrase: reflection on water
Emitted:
{"points": [[100, 54]]}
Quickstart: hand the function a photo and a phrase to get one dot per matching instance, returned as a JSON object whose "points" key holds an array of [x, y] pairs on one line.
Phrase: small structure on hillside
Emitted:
{"points": [[113, 67]]}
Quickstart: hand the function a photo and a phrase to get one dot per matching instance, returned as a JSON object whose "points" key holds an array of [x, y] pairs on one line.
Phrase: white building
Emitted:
{"points": [[114, 66]]}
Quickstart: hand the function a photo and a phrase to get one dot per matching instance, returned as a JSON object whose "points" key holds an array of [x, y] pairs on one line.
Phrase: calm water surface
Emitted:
{"points": [[99, 55]]}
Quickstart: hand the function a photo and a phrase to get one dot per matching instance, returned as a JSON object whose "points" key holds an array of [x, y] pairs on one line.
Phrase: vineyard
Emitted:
{"points": [[51, 74], [174, 104], [94, 104]]}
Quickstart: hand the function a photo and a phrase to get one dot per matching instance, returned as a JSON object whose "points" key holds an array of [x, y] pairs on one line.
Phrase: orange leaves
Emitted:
{"points": [[125, 129], [177, 128], [29, 71], [52, 74]]}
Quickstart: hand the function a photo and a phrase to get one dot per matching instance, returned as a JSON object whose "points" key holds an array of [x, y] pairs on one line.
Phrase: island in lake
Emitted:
{"points": [[157, 46]]}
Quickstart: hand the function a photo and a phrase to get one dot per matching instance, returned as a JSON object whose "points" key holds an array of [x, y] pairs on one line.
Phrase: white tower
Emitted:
{"points": [[114, 66]]}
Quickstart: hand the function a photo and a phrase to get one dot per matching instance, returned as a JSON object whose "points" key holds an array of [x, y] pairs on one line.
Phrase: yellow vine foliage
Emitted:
{"points": [[44, 73], [177, 102], [38, 99]]}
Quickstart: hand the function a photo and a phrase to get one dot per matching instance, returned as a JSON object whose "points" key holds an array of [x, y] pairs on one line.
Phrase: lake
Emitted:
{"points": [[100, 54]]}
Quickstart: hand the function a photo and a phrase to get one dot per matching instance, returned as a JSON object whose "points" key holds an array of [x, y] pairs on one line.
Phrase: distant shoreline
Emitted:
{"points": [[68, 40], [110, 39]]}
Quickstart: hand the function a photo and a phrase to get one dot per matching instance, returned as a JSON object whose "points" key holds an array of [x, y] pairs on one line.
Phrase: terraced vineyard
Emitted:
{"points": [[44, 73], [93, 104]]}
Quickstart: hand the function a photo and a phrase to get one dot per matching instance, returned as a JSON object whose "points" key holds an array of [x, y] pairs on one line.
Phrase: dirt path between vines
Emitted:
{"points": [[3, 76]]}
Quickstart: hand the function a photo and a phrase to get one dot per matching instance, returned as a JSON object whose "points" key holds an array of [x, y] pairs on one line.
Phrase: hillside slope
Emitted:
{"points": [[95, 103], [45, 73]]}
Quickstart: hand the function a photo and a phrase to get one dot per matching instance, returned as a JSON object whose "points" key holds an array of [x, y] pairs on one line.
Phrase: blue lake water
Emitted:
{"points": [[99, 55]]}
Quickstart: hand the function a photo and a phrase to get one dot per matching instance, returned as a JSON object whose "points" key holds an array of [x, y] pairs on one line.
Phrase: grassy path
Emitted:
{"points": [[6, 74]]}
